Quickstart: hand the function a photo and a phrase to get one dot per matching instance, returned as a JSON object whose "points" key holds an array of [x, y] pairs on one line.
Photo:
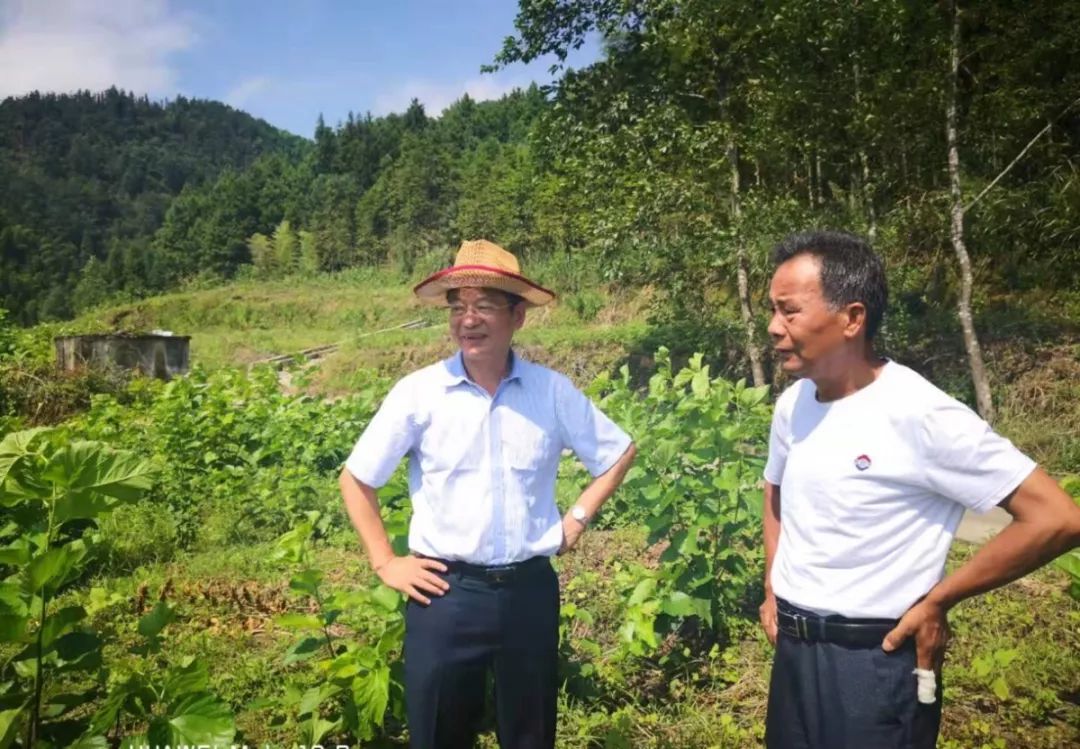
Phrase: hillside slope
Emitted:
{"points": [[92, 175]]}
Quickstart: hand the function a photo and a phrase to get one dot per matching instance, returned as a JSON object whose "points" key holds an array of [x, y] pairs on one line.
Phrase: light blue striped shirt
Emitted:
{"points": [[482, 468]]}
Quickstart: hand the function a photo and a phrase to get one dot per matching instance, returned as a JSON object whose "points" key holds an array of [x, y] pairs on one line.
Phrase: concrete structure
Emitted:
{"points": [[157, 355]]}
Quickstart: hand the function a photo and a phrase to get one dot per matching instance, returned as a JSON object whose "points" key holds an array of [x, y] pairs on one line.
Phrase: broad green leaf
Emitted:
{"points": [[307, 581], [203, 720], [392, 637], [344, 668], [191, 677], [651, 493], [10, 725], [134, 696], [642, 591], [89, 471], [14, 447], [313, 698], [681, 605], [294, 620], [303, 650], [49, 568], [386, 597], [371, 693], [700, 384], [79, 651], [195, 719], [13, 600], [678, 604], [665, 453], [1000, 688], [688, 545], [753, 396], [17, 553], [159, 617], [318, 727], [59, 623], [13, 628], [1070, 562]]}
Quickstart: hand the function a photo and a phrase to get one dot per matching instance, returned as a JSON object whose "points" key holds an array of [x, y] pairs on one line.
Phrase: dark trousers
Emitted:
{"points": [[828, 696], [508, 628]]}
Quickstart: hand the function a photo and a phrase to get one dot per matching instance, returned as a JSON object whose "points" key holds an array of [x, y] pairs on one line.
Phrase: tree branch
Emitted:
{"points": [[1019, 156]]}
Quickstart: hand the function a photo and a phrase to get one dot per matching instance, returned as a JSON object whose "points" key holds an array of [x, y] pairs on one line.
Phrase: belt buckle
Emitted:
{"points": [[500, 575], [802, 631]]}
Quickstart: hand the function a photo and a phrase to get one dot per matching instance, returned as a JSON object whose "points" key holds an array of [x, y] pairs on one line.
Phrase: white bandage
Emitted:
{"points": [[927, 686]]}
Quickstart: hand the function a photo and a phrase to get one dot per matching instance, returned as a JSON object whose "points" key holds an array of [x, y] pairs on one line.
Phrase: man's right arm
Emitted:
{"points": [[771, 516], [413, 576]]}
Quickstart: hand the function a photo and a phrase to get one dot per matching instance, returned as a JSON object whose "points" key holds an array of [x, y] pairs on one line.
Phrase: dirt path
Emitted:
{"points": [[978, 529]]}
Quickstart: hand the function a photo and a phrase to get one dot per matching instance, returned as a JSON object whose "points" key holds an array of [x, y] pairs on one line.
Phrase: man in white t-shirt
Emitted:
{"points": [[870, 469]]}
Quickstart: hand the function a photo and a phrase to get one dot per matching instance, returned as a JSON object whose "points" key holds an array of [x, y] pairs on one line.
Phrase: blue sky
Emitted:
{"points": [[283, 60]]}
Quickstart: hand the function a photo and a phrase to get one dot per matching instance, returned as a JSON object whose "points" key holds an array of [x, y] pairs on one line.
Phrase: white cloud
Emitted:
{"points": [[65, 45], [438, 96], [242, 93]]}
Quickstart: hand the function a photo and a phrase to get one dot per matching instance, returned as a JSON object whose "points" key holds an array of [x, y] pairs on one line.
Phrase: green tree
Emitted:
{"points": [[93, 287], [286, 248]]}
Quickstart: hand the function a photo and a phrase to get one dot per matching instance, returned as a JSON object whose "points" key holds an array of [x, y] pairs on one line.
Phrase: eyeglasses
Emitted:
{"points": [[486, 310]]}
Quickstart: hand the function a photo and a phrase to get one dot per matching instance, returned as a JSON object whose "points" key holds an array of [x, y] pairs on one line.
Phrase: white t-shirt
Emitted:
{"points": [[872, 487]]}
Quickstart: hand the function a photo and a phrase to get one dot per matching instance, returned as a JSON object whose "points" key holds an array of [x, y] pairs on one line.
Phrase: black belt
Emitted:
{"points": [[497, 574], [835, 629]]}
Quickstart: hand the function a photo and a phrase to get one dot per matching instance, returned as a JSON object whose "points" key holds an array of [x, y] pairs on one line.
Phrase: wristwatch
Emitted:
{"points": [[577, 512]]}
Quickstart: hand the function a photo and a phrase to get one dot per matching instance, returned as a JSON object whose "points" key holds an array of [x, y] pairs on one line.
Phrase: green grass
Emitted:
{"points": [[359, 311]]}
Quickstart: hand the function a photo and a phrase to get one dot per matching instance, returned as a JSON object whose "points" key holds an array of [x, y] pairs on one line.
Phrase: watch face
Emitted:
{"points": [[577, 513]]}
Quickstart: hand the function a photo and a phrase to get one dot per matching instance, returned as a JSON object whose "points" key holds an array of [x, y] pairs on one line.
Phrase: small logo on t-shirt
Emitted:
{"points": [[862, 462]]}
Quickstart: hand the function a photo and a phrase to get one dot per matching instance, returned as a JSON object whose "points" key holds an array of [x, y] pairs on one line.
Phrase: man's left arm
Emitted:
{"points": [[594, 496], [605, 450], [1045, 524]]}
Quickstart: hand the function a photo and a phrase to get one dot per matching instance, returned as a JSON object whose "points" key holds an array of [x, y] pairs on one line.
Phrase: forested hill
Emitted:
{"points": [[91, 175], [107, 196], [948, 134]]}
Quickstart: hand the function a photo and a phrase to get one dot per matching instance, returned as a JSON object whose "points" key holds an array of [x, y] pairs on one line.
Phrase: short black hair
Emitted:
{"points": [[850, 270], [512, 299]]}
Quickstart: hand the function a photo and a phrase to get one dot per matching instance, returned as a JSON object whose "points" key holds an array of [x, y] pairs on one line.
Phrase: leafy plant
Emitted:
{"points": [[51, 492], [1070, 561], [992, 668], [238, 459], [359, 679], [696, 486], [173, 701]]}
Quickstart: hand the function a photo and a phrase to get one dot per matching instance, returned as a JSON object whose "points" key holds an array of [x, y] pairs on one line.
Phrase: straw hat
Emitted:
{"points": [[482, 263]]}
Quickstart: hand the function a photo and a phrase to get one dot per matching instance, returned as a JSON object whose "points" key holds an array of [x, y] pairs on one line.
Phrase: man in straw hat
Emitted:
{"points": [[484, 431]]}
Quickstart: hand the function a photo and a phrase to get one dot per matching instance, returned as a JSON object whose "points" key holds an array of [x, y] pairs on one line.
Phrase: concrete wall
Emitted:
{"points": [[158, 356]]}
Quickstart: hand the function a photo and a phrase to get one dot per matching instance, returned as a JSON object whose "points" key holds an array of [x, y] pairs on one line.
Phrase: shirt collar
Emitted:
{"points": [[456, 374]]}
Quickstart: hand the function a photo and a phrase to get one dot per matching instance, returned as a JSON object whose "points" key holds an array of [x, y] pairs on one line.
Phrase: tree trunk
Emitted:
{"points": [[820, 180], [742, 271], [809, 182], [868, 195], [864, 161], [984, 403]]}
